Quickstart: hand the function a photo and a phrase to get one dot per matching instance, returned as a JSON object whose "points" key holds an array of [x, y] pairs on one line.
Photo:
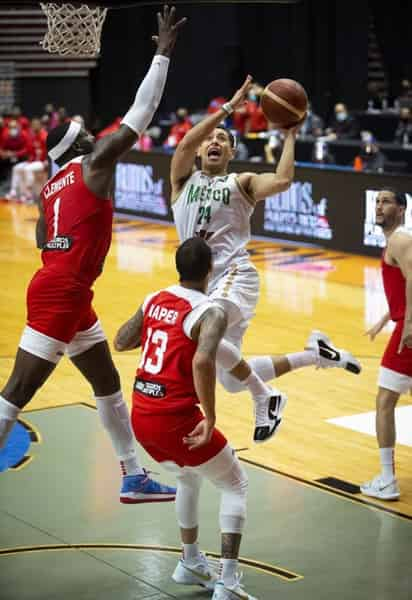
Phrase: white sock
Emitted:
{"points": [[259, 390], [388, 463], [8, 416], [114, 415], [301, 359], [191, 552], [227, 571]]}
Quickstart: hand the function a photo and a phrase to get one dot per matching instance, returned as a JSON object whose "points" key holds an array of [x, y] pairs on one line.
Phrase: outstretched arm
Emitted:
{"points": [[185, 153], [109, 149], [129, 335]]}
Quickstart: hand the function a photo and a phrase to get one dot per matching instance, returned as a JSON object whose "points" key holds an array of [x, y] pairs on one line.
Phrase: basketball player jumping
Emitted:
{"points": [[217, 206], [395, 373], [74, 232], [180, 330]]}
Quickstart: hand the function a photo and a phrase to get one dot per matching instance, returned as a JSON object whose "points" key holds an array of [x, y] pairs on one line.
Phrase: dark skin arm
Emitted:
{"points": [[99, 167], [41, 229], [208, 332], [129, 335]]}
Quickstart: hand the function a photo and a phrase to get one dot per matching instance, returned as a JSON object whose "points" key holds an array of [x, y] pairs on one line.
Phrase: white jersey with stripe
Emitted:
{"points": [[218, 210]]}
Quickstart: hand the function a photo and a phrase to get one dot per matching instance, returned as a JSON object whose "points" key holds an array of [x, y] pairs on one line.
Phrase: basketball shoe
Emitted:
{"points": [[380, 488], [268, 416], [195, 573], [232, 592], [328, 356], [137, 489]]}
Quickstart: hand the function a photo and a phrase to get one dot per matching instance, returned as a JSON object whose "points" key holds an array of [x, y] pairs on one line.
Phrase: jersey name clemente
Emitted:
{"points": [[207, 193], [159, 313], [58, 185]]}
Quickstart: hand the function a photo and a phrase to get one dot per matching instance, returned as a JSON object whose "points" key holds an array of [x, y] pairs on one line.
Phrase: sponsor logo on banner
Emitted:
{"points": [[296, 213], [372, 233], [136, 189]]}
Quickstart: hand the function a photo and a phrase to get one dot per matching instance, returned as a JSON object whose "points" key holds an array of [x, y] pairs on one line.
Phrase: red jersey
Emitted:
{"points": [[38, 148], [394, 284], [164, 379], [79, 226]]}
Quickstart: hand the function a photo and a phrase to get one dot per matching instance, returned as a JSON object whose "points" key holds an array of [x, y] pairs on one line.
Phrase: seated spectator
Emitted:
{"points": [[403, 133], [242, 115], [343, 125], [17, 115], [50, 116], [370, 158], [321, 153], [312, 125], [62, 115], [178, 130], [256, 119], [377, 99], [14, 148], [144, 143], [28, 177], [215, 104], [404, 100]]}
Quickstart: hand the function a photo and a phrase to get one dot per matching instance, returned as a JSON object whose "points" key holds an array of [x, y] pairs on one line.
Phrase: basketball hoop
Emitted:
{"points": [[73, 30]]}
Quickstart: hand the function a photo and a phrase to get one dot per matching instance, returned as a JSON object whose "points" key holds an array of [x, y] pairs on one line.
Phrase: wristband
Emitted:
{"points": [[228, 108]]}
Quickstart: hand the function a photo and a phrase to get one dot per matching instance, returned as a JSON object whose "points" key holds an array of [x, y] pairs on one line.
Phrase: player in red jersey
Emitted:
{"points": [[395, 373], [180, 329], [74, 232]]}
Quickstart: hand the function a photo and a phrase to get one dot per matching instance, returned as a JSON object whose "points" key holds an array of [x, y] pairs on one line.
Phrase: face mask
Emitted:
{"points": [[341, 116], [252, 96], [14, 132]]}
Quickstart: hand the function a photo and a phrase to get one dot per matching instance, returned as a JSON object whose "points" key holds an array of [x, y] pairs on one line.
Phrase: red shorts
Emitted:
{"points": [[59, 307], [162, 437], [399, 362]]}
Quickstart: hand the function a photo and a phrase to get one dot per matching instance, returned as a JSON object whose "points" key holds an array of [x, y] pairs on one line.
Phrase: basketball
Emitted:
{"points": [[284, 102]]}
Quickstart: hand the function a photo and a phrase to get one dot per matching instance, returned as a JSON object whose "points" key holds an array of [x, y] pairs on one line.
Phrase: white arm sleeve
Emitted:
{"points": [[148, 95]]}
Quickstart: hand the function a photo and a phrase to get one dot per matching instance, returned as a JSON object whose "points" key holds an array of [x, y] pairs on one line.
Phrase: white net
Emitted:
{"points": [[73, 30]]}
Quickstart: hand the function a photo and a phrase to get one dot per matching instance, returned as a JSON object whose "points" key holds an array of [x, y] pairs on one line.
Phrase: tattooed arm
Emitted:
{"points": [[208, 332], [129, 335]]}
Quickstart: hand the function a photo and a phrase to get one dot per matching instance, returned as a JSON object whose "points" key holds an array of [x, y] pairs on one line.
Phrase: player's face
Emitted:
{"points": [[216, 151], [85, 142], [388, 213]]}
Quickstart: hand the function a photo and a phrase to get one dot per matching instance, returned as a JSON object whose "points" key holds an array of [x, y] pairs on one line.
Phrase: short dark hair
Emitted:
{"points": [[400, 197], [56, 134], [230, 135], [193, 259]]}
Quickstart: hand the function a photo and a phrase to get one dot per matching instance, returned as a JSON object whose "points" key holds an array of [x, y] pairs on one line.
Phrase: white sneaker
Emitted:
{"points": [[379, 488], [268, 416], [233, 592], [328, 356], [195, 573]]}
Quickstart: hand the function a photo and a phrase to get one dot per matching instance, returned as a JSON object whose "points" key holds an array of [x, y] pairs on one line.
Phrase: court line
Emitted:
{"points": [[257, 565], [328, 489]]}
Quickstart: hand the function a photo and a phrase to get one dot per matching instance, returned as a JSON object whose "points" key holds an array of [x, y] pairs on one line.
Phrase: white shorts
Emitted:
{"points": [[237, 291], [50, 349], [394, 381]]}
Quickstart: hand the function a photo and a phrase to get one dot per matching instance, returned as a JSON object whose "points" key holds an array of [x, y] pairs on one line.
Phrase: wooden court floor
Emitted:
{"points": [[301, 289]]}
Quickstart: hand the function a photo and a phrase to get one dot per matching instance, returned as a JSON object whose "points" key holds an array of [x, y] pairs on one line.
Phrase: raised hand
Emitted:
{"points": [[239, 97], [168, 30]]}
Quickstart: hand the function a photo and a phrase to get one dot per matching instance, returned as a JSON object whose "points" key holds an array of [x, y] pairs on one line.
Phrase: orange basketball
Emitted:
{"points": [[284, 102]]}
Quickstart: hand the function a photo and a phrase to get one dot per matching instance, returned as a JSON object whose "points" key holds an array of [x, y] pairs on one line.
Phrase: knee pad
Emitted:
{"points": [[234, 502], [230, 383]]}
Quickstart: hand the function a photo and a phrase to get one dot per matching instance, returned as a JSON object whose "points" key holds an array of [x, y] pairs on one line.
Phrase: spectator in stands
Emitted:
{"points": [[14, 148], [178, 130], [343, 125], [62, 115], [17, 115], [51, 114], [215, 104], [404, 100], [377, 99], [256, 119], [321, 153], [79, 119], [28, 177], [144, 142], [312, 125], [403, 133], [371, 158]]}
